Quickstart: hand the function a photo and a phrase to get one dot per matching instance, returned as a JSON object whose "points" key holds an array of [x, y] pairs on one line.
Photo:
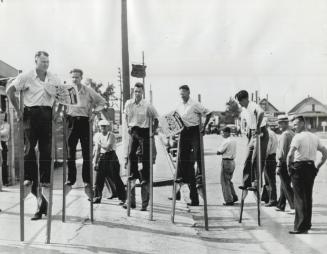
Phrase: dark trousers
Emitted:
{"points": [[270, 178], [5, 179], [37, 130], [250, 170], [303, 175], [286, 191], [109, 167], [140, 139], [189, 153], [78, 129]]}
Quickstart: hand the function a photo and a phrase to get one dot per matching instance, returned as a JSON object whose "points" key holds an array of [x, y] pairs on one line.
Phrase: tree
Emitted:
{"points": [[232, 112]]}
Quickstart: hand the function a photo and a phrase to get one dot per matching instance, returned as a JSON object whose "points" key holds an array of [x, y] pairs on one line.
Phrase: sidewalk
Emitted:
{"points": [[112, 231]]}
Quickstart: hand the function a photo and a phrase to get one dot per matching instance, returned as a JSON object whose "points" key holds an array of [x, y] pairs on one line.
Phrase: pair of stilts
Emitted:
{"points": [[130, 184], [203, 190], [49, 195], [257, 191]]}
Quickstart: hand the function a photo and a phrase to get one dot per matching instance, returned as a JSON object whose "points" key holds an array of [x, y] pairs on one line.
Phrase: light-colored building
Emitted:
{"points": [[314, 112]]}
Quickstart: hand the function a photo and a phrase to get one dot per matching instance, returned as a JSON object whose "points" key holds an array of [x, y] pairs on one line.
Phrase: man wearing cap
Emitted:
{"points": [[228, 151], [106, 163], [256, 124], [189, 143], [301, 165], [138, 113], [284, 144], [78, 129], [37, 117], [270, 188]]}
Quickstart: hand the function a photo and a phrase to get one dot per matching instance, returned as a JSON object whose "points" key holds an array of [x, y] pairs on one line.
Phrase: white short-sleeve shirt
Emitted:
{"points": [[33, 88], [228, 148], [306, 144], [251, 113], [191, 111]]}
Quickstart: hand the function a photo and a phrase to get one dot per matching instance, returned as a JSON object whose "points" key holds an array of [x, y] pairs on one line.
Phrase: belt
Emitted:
{"points": [[228, 159], [305, 162], [191, 127], [79, 117], [38, 107]]}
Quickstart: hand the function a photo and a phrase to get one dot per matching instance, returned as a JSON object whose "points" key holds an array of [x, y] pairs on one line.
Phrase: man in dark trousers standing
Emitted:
{"points": [[301, 165], [284, 144], [37, 117], [189, 143], [138, 113]]}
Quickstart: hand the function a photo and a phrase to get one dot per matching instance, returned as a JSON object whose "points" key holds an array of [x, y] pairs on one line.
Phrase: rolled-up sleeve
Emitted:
{"points": [[153, 112], [98, 101], [200, 109], [19, 83]]}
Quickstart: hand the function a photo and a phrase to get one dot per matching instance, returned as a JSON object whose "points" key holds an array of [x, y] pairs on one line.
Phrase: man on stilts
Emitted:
{"points": [[78, 129], [37, 117], [138, 112], [189, 143]]}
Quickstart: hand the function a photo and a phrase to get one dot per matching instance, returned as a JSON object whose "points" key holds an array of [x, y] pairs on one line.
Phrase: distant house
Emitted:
{"points": [[313, 111], [269, 108]]}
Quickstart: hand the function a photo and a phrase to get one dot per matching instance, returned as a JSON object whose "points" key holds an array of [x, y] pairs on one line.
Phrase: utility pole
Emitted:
{"points": [[125, 54], [144, 75], [120, 98]]}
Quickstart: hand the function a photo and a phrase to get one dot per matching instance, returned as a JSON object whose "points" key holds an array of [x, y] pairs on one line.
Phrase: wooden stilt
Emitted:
{"points": [[49, 219], [21, 167], [64, 165], [204, 187], [91, 171]]}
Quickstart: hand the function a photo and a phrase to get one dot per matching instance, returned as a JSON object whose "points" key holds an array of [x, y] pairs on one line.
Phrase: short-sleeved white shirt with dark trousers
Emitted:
{"points": [[37, 118], [303, 172]]}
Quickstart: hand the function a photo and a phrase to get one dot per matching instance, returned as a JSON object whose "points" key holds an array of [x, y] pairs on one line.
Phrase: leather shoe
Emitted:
{"points": [[193, 204], [298, 232], [228, 204], [132, 206], [271, 204], [97, 200], [278, 209], [37, 216], [242, 187], [143, 209], [252, 188], [235, 199]]}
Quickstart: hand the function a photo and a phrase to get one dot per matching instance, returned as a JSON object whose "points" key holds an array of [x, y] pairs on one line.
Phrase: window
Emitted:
{"points": [[313, 107]]}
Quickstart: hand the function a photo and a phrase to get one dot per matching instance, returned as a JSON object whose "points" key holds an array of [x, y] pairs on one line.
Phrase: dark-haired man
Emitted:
{"points": [[138, 113], [301, 165], [256, 123], [78, 129], [189, 143], [37, 117]]}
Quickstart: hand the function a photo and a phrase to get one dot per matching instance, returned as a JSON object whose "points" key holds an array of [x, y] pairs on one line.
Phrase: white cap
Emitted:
{"points": [[103, 123]]}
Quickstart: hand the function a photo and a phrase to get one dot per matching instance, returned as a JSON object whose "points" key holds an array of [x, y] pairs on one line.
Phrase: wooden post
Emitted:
{"points": [[125, 53], [129, 188], [21, 167], [64, 165], [49, 219], [206, 221], [175, 189], [151, 161], [91, 169], [259, 170]]}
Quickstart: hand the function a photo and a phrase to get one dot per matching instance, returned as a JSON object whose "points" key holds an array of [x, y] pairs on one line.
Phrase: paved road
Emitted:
{"points": [[247, 237], [114, 232]]}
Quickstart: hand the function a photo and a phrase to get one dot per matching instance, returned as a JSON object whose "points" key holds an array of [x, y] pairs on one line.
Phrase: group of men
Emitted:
{"points": [[294, 154]]}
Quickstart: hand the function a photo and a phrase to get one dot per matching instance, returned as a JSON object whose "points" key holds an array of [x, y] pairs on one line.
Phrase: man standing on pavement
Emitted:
{"points": [[256, 124], [270, 170], [78, 129], [301, 165], [189, 143], [37, 117], [228, 151], [284, 144], [138, 113]]}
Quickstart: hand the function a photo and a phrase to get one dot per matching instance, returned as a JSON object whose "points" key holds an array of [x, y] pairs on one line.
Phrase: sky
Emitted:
{"points": [[217, 47]]}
